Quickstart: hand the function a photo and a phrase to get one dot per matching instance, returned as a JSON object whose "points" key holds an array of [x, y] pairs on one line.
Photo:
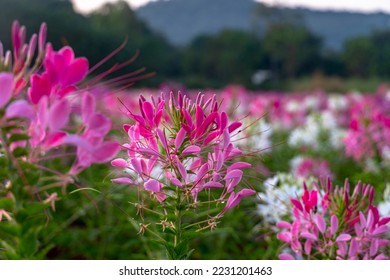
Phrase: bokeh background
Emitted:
{"points": [[303, 71]]}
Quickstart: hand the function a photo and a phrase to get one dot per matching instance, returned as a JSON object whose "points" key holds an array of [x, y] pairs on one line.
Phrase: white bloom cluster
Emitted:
{"points": [[258, 136], [317, 126], [275, 199], [384, 206], [337, 102]]}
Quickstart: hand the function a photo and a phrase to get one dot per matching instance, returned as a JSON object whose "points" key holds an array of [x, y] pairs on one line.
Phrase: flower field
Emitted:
{"points": [[90, 169]]}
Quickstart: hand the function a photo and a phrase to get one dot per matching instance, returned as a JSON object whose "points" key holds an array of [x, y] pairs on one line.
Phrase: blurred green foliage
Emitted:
{"points": [[286, 48]]}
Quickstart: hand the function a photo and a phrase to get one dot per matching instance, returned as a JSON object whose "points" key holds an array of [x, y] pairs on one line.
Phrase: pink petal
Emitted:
{"points": [[59, 115], [76, 71], [136, 165], [119, 162], [77, 141], [66, 90], [106, 151], [362, 220], [239, 165], [99, 125], [53, 139], [283, 224], [286, 257], [232, 201], [284, 236], [123, 180], [211, 137], [163, 138], [384, 221], [182, 170], [19, 108], [313, 198], [67, 54], [343, 237], [307, 246], [334, 224], [199, 115], [193, 149], [40, 86], [358, 229], [224, 121], [246, 192], [180, 138], [234, 126], [152, 185], [6, 85], [297, 204], [233, 174], [381, 257], [209, 119], [212, 185], [342, 251], [353, 248], [226, 139], [309, 235], [380, 230], [320, 223], [175, 181], [374, 247], [161, 197], [88, 104], [370, 219], [149, 151], [201, 172], [149, 111]]}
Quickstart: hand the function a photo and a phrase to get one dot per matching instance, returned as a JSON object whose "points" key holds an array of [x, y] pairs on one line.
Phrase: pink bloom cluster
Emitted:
{"points": [[51, 103], [340, 226], [177, 142], [307, 167], [369, 130]]}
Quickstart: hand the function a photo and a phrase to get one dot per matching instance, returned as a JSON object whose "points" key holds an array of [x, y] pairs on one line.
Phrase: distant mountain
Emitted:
{"points": [[182, 20]]}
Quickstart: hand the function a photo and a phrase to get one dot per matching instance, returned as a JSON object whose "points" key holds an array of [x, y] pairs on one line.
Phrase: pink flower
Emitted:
{"points": [[189, 143], [6, 86], [316, 231]]}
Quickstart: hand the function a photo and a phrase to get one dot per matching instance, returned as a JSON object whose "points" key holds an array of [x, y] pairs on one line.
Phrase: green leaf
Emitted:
{"points": [[9, 229], [20, 152], [18, 137], [6, 203], [29, 244]]}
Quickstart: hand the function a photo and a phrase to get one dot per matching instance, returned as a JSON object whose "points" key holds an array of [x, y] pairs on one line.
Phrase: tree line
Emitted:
{"points": [[285, 50]]}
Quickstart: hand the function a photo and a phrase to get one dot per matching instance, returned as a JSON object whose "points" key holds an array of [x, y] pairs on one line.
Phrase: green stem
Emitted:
{"points": [[15, 163], [178, 216]]}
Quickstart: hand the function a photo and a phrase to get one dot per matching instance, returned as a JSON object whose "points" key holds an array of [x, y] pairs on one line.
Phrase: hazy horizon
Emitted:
{"points": [[356, 5]]}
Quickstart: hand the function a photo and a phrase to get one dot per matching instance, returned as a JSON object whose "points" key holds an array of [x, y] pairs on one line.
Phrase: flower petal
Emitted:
{"points": [[343, 237], [6, 84], [119, 162], [152, 185], [286, 257], [123, 180]]}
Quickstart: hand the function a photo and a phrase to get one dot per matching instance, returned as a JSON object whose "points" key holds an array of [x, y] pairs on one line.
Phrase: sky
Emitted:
{"points": [[86, 6]]}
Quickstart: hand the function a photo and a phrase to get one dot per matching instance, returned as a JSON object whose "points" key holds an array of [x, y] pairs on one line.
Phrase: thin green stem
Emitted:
{"points": [[15, 163], [178, 216]]}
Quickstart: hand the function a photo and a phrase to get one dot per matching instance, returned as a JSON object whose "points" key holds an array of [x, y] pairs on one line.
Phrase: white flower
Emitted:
{"points": [[317, 125], [293, 106], [384, 206], [311, 103], [337, 102], [275, 200]]}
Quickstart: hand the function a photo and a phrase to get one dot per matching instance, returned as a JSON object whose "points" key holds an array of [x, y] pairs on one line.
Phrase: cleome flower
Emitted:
{"points": [[189, 144], [42, 93], [340, 226]]}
